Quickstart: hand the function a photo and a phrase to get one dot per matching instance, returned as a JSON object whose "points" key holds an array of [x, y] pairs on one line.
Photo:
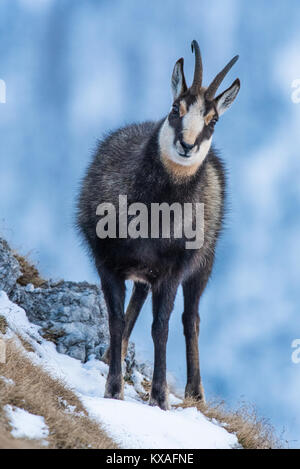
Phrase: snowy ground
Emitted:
{"points": [[26, 425], [131, 423]]}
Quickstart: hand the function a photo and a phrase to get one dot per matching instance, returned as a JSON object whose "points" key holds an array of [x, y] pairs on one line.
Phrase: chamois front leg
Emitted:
{"points": [[114, 293], [192, 291], [163, 300]]}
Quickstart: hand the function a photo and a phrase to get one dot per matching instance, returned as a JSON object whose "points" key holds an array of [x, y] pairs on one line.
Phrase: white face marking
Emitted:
{"points": [[193, 123]]}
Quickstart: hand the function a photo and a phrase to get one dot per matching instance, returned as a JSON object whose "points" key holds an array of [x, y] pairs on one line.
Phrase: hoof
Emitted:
{"points": [[160, 398], [114, 389], [163, 404], [195, 392]]}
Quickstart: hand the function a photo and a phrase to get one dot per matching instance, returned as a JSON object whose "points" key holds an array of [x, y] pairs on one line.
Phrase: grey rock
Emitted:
{"points": [[9, 268], [72, 315]]}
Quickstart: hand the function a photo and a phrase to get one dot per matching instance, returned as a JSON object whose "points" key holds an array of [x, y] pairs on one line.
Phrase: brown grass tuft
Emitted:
{"points": [[252, 432], [3, 325], [30, 274], [52, 336], [39, 394], [27, 345], [147, 386]]}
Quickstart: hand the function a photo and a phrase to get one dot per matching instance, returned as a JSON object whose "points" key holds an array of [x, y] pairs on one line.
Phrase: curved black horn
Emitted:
{"points": [[197, 83], [211, 90]]}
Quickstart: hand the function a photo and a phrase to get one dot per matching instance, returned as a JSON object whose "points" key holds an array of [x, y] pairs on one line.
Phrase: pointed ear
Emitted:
{"points": [[225, 99], [178, 81]]}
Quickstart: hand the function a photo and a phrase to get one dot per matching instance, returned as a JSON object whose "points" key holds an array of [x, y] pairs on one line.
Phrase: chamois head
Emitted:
{"points": [[186, 134]]}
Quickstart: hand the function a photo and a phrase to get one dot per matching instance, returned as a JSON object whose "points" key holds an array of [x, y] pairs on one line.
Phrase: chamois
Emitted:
{"points": [[165, 162]]}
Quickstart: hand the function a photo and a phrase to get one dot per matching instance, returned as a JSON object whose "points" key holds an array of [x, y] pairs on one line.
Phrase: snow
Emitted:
{"points": [[132, 423], [7, 381], [140, 426], [26, 425]]}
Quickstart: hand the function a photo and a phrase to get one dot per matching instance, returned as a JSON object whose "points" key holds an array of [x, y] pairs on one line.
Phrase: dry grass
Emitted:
{"points": [[30, 274], [52, 336], [27, 345], [147, 386], [3, 325], [8, 442], [252, 432], [39, 394]]}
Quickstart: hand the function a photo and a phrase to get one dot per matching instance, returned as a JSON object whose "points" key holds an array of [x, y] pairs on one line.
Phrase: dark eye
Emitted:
{"points": [[213, 122], [175, 109]]}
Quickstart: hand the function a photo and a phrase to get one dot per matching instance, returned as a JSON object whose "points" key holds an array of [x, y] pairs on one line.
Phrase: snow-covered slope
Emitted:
{"points": [[132, 423]]}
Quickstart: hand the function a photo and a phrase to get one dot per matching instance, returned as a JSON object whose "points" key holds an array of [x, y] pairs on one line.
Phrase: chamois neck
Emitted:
{"points": [[176, 171]]}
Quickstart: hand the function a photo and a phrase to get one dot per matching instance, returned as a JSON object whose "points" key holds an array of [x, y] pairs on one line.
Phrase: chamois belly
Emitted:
{"points": [[149, 260]]}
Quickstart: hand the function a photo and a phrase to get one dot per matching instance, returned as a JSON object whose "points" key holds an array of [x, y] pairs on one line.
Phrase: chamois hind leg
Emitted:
{"points": [[138, 297], [114, 293], [193, 288], [163, 300]]}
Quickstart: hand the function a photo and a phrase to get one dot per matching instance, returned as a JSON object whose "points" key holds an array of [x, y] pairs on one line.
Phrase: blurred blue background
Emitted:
{"points": [[75, 69]]}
